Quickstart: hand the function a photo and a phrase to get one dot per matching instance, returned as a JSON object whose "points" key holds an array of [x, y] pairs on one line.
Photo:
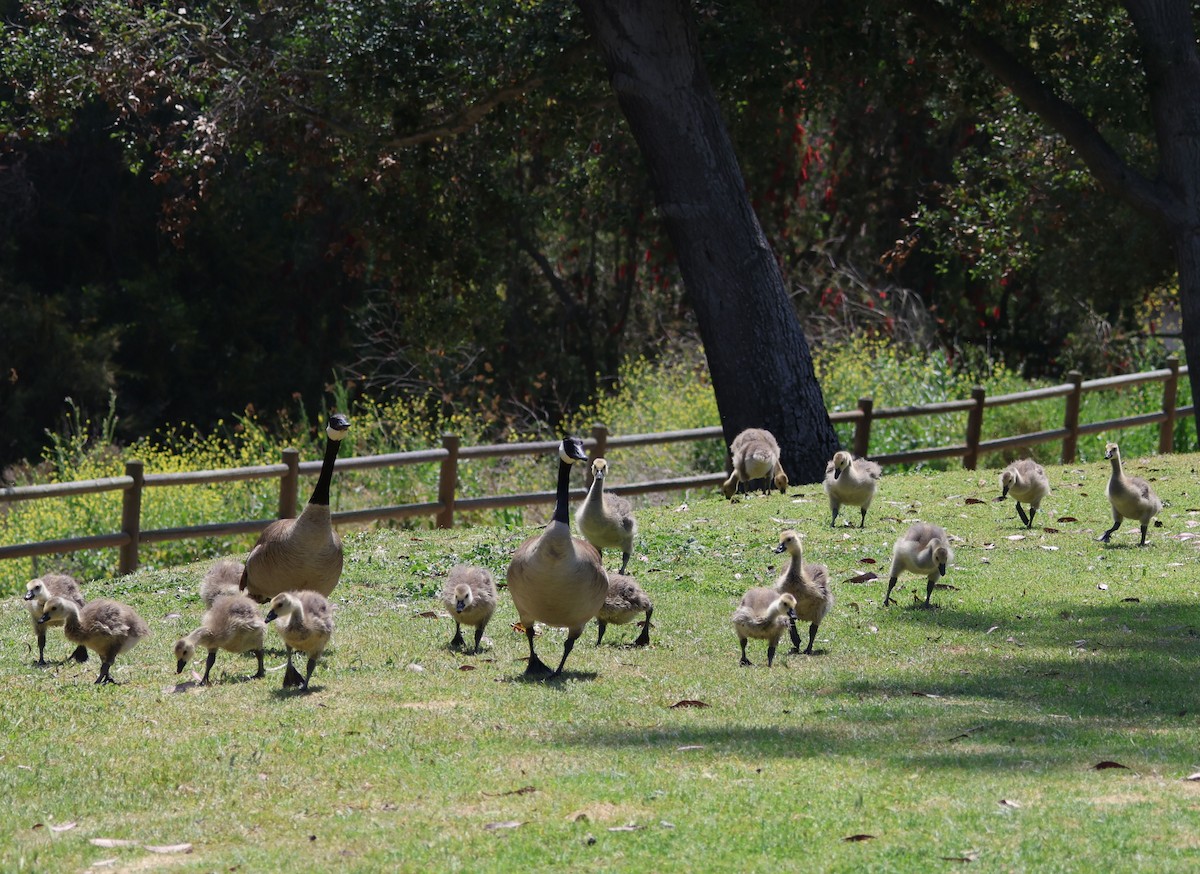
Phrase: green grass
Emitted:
{"points": [[967, 732]]}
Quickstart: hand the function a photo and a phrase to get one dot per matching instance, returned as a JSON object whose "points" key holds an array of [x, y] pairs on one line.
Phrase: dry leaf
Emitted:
{"points": [[1104, 766], [1195, 776], [62, 827], [104, 863], [524, 790], [109, 843], [926, 695], [1103, 587], [1131, 600], [1048, 548], [508, 823], [866, 561], [688, 702], [426, 614], [466, 667], [1016, 537], [965, 857], [864, 577], [1050, 530], [989, 546], [990, 630], [854, 838], [874, 629], [1008, 802], [973, 501], [168, 848], [1067, 519], [689, 747], [631, 827]]}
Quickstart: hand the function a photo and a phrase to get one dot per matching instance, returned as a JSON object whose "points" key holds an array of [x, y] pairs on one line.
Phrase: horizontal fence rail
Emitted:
{"points": [[289, 470]]}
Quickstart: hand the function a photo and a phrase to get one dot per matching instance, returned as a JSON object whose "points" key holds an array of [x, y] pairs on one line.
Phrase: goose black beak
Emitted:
{"points": [[1004, 493], [45, 617], [792, 615], [837, 471], [272, 616], [942, 569], [778, 549], [179, 666], [29, 596]]}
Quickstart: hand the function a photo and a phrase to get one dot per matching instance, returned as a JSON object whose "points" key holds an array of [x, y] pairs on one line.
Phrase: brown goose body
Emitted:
{"points": [[233, 623], [755, 455], [806, 582], [305, 552], [555, 578], [37, 593], [470, 596], [604, 519], [924, 549], [624, 603], [1130, 496], [1026, 481], [851, 481], [107, 628], [304, 619]]}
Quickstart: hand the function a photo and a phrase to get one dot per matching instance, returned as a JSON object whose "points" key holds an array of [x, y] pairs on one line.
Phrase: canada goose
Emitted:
{"points": [[808, 584], [470, 596], [922, 549], [37, 593], [1026, 480], [555, 578], [233, 624], [307, 626], [305, 552], [223, 578], [755, 454], [1131, 497], [764, 614], [606, 520], [107, 627], [853, 481], [624, 603]]}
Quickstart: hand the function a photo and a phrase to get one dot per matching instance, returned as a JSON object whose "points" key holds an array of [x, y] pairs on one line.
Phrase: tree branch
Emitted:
{"points": [[1150, 197]]}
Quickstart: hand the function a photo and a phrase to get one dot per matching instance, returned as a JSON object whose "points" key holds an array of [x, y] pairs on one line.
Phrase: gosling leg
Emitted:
{"points": [[81, 654], [262, 671], [834, 506], [624, 562], [479, 636], [1143, 543], [456, 642], [643, 639], [887, 599], [41, 636], [312, 663], [812, 635], [863, 522], [1026, 520], [601, 625], [291, 677], [745, 662], [208, 663], [1103, 538], [105, 678], [929, 589], [770, 653], [794, 635]]}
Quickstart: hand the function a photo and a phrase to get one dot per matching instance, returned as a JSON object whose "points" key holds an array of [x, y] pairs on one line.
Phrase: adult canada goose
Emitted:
{"points": [[808, 584], [853, 481], [755, 454], [306, 624], [923, 549], [108, 628], [554, 578], [1026, 481], [223, 578], [624, 602], [764, 614], [233, 624], [606, 520], [305, 552], [470, 596], [37, 593], [1131, 497]]}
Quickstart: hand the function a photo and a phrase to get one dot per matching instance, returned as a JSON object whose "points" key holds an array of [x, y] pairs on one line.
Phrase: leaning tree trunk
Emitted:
{"points": [[758, 357]]}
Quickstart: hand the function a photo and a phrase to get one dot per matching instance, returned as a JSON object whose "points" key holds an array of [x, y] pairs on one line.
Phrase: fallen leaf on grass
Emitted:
{"points": [[1104, 766], [62, 827], [1195, 776], [110, 843], [965, 857], [631, 827], [855, 838], [866, 561], [1008, 802], [466, 667], [925, 695], [689, 747], [1016, 537], [508, 823], [1103, 587], [973, 501], [688, 702], [426, 614], [165, 849], [990, 630], [1048, 547], [1067, 519], [524, 790], [104, 863], [864, 577]]}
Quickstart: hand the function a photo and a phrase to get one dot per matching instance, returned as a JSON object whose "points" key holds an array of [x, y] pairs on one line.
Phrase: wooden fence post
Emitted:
{"points": [[974, 428], [448, 481], [862, 427], [289, 484], [1166, 430], [131, 516], [1071, 418], [600, 436]]}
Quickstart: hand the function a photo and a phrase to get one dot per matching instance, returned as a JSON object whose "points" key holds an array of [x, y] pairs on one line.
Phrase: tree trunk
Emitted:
{"points": [[757, 354]]}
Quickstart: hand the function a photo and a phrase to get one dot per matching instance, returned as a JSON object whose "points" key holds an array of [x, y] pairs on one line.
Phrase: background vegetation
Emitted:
{"points": [[1042, 717]]}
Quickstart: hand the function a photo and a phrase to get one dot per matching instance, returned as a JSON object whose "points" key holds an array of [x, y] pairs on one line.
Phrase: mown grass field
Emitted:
{"points": [[965, 737]]}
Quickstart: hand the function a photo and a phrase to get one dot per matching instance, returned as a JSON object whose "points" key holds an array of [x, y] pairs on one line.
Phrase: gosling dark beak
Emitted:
{"points": [[778, 549], [272, 616], [29, 596], [792, 615], [179, 666], [460, 606], [1004, 493], [43, 618], [942, 569], [837, 471]]}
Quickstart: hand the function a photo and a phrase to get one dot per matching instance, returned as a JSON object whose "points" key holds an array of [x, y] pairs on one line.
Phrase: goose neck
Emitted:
{"points": [[562, 499], [320, 494]]}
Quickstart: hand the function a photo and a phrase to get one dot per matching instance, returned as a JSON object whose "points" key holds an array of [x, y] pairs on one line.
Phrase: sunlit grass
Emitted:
{"points": [[966, 735]]}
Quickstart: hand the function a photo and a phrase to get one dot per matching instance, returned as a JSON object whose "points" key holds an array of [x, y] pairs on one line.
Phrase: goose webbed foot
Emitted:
{"points": [[292, 678], [457, 641], [537, 667], [643, 639], [81, 654]]}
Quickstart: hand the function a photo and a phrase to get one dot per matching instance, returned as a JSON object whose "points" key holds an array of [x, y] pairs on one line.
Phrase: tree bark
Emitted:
{"points": [[758, 356]]}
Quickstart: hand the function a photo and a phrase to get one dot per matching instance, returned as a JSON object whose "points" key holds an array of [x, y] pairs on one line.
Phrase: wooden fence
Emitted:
{"points": [[288, 471]]}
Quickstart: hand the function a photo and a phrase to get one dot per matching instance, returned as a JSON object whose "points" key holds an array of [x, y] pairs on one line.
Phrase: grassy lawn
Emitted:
{"points": [[963, 737]]}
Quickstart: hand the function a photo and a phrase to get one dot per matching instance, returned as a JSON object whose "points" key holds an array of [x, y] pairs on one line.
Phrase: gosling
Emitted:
{"points": [[1026, 481], [755, 455], [924, 549], [764, 614], [853, 481], [606, 520], [1131, 497], [233, 624], [223, 578], [307, 625], [808, 584], [625, 602], [37, 593], [108, 628], [470, 596]]}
